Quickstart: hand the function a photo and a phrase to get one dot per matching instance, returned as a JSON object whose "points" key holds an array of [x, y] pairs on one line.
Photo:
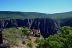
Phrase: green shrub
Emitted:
{"points": [[61, 40], [29, 44]]}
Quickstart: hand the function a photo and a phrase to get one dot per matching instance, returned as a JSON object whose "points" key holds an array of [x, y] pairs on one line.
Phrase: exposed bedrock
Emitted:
{"points": [[45, 25]]}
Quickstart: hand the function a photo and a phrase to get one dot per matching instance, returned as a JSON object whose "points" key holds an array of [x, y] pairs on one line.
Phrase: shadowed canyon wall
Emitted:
{"points": [[45, 25]]}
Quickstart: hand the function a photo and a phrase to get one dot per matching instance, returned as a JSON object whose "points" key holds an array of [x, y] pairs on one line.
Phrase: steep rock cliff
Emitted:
{"points": [[45, 25]]}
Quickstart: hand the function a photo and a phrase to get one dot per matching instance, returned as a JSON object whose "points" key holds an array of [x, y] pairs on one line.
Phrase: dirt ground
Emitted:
{"points": [[20, 45]]}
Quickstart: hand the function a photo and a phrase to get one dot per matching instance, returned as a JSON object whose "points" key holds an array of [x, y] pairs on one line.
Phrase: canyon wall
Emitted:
{"points": [[45, 25]]}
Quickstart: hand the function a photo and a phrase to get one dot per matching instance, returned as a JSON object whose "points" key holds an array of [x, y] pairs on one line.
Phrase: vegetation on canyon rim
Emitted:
{"points": [[62, 39]]}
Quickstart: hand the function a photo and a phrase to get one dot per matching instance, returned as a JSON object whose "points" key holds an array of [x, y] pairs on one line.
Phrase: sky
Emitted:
{"points": [[43, 6]]}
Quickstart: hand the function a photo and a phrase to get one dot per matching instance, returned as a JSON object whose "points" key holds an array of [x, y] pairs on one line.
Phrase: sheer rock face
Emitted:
{"points": [[46, 26]]}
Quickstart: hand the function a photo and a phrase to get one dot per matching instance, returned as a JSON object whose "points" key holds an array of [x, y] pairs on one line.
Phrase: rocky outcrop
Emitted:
{"points": [[45, 25]]}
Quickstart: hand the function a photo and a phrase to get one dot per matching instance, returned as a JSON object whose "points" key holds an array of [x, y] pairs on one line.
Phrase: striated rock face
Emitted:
{"points": [[46, 26]]}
